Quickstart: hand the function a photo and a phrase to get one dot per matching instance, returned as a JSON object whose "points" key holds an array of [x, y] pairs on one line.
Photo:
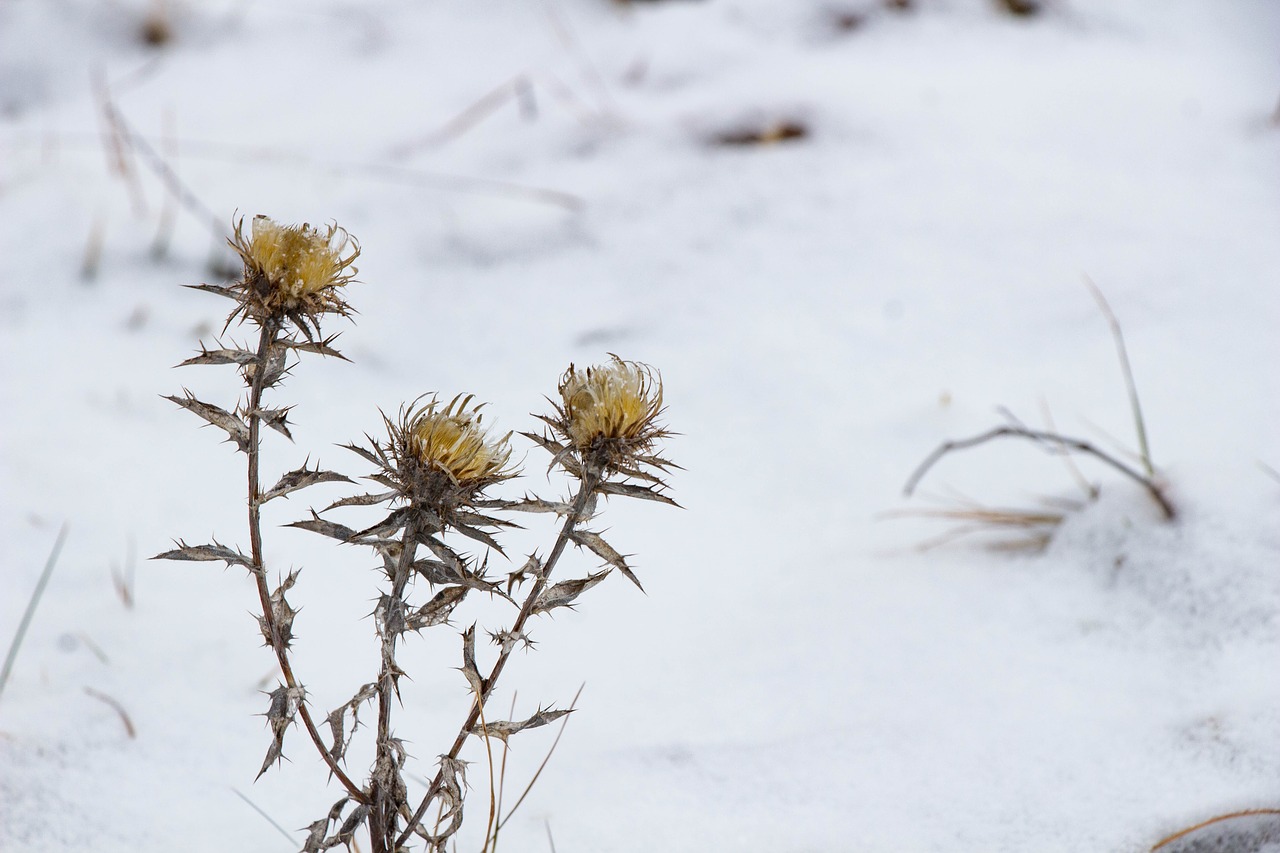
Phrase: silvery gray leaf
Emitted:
{"points": [[389, 616], [628, 490], [361, 500], [301, 479], [385, 528], [532, 504], [281, 613], [469, 662], [532, 568], [364, 453], [437, 572], [445, 554], [349, 827], [564, 593], [206, 553], [437, 610], [316, 524], [560, 454], [503, 729], [337, 720], [479, 536], [324, 347], [315, 836], [604, 551], [508, 639], [235, 428], [277, 419], [221, 356], [214, 288], [285, 702]]}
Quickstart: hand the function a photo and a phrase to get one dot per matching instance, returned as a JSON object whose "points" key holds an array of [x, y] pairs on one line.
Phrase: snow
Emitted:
{"points": [[825, 311]]}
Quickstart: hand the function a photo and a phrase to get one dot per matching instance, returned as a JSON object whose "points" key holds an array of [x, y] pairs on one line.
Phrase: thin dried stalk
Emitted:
{"points": [[1130, 387], [268, 338], [577, 515], [25, 623], [1064, 443]]}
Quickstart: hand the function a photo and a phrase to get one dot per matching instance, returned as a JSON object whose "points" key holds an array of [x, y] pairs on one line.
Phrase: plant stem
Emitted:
{"points": [[382, 819], [266, 340], [589, 484]]}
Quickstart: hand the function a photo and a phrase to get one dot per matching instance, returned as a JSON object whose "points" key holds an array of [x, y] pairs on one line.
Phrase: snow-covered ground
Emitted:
{"points": [[824, 310]]}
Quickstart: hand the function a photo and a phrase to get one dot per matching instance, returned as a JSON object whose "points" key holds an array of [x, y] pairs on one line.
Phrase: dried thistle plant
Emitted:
{"points": [[436, 463]]}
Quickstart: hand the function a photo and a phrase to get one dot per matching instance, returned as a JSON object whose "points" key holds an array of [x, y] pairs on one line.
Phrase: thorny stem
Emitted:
{"points": [[589, 484], [382, 827], [266, 340]]}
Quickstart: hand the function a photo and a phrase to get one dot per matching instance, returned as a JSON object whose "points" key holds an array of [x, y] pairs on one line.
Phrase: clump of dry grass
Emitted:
{"points": [[436, 465], [1034, 526]]}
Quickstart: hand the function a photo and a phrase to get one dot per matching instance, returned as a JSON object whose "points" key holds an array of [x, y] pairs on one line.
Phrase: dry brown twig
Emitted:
{"points": [[435, 465]]}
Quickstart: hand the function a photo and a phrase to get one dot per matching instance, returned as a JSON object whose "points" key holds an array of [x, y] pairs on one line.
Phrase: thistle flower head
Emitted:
{"points": [[292, 271], [609, 412], [443, 456]]}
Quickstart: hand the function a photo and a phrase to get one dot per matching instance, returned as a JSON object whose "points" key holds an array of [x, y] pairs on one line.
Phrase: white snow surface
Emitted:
{"points": [[800, 677]]}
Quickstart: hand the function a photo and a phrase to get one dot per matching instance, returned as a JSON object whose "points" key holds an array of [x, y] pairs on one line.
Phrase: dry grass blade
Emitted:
{"points": [[1036, 525], [1182, 833], [1132, 389], [268, 818], [117, 707], [23, 625]]}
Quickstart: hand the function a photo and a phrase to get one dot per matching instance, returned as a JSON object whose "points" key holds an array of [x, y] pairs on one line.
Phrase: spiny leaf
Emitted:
{"points": [[534, 504], [301, 479], [349, 826], [560, 454], [564, 593], [277, 419], [235, 428], [361, 500], [282, 614], [503, 729], [389, 616], [604, 551], [214, 288], [469, 662], [206, 553], [508, 639], [532, 568], [337, 720], [322, 347], [479, 536], [316, 524], [363, 452], [437, 610], [285, 702], [221, 356], [628, 490]]}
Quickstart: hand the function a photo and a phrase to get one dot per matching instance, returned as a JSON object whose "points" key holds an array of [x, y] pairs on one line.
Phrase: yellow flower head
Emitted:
{"points": [[293, 271], [452, 440], [615, 404]]}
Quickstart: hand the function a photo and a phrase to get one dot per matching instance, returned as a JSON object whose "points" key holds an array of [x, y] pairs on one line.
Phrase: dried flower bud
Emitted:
{"points": [[292, 271], [444, 457], [609, 412]]}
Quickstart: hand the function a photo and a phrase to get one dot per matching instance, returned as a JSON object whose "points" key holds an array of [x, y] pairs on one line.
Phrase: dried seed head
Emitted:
{"points": [[444, 456], [609, 412], [292, 271]]}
